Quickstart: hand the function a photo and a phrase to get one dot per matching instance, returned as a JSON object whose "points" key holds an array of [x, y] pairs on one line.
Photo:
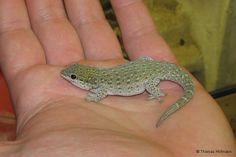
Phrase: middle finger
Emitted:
{"points": [[56, 34], [98, 40]]}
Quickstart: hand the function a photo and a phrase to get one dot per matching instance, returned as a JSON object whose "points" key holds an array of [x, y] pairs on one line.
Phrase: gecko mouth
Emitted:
{"points": [[62, 72], [64, 76]]}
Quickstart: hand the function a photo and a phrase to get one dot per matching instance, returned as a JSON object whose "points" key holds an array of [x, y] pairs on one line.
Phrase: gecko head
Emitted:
{"points": [[80, 75]]}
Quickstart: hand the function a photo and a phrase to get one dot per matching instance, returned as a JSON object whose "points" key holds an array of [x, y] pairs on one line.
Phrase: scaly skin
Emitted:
{"points": [[131, 79]]}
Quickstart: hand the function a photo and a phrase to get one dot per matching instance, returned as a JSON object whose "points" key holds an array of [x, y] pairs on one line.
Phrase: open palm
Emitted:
{"points": [[39, 38]]}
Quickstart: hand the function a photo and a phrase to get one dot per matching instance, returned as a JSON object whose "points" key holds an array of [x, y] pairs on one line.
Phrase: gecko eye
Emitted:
{"points": [[73, 76]]}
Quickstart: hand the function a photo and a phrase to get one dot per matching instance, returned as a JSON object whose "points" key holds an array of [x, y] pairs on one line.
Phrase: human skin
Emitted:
{"points": [[38, 39]]}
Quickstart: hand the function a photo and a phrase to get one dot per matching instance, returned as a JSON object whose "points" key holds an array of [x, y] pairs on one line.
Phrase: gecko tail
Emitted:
{"points": [[173, 108]]}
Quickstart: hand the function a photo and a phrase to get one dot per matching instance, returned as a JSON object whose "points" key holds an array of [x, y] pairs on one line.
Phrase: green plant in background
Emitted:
{"points": [[173, 25], [109, 13], [155, 7], [110, 16]]}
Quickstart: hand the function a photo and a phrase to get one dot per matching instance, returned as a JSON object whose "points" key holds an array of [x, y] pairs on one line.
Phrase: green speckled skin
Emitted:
{"points": [[131, 79]]}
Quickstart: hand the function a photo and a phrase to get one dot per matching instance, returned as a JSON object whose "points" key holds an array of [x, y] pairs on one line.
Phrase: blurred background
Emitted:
{"points": [[202, 35]]}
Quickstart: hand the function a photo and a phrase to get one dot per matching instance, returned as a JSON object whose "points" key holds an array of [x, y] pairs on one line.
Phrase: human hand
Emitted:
{"points": [[38, 39]]}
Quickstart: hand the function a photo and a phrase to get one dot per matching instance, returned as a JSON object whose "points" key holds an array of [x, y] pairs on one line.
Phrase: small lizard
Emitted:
{"points": [[131, 79]]}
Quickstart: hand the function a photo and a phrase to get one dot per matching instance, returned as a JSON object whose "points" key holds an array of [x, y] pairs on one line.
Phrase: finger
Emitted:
{"points": [[19, 48], [98, 40], [58, 37], [138, 30]]}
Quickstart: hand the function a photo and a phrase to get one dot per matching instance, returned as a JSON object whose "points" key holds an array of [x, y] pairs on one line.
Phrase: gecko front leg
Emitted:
{"points": [[96, 94]]}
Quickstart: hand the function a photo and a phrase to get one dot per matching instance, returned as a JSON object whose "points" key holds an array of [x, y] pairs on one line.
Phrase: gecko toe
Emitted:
{"points": [[151, 97]]}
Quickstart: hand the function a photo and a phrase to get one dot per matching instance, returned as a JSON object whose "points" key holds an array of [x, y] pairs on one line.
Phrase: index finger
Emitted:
{"points": [[139, 31], [19, 46]]}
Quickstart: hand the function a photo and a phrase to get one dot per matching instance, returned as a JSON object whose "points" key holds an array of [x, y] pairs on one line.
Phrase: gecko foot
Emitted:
{"points": [[96, 94], [158, 96]]}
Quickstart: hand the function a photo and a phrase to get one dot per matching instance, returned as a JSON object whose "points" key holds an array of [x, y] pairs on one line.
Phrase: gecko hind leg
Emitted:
{"points": [[152, 88]]}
